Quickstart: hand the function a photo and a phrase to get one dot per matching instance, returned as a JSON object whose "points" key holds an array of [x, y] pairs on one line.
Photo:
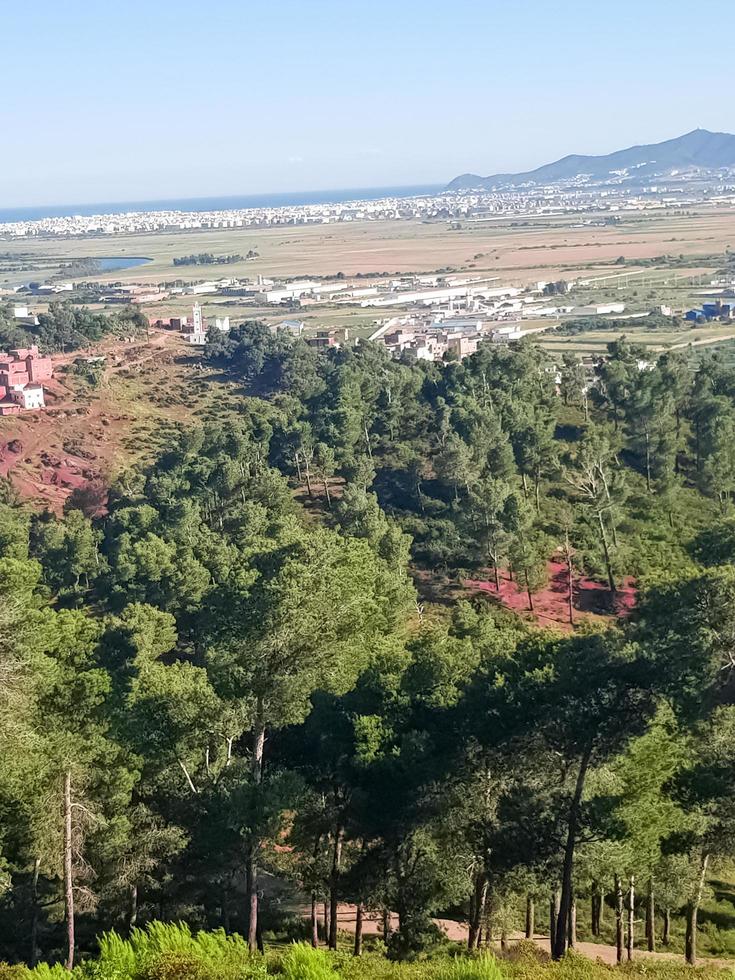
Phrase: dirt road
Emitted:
{"points": [[457, 931]]}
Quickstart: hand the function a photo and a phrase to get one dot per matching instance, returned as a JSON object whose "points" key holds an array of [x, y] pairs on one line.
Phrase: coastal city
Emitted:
{"points": [[561, 197]]}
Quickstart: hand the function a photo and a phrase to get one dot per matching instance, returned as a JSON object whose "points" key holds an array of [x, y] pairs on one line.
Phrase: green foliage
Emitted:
{"points": [[302, 962], [65, 326], [235, 675], [466, 968]]}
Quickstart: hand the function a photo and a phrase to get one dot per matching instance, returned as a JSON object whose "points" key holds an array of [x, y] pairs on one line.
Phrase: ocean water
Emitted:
{"points": [[218, 203]]}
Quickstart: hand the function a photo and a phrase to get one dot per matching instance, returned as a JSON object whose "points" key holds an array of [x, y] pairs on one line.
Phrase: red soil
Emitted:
{"points": [[592, 600], [84, 438]]}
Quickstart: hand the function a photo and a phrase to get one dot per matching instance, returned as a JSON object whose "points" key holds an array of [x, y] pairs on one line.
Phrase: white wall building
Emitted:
{"points": [[28, 396]]}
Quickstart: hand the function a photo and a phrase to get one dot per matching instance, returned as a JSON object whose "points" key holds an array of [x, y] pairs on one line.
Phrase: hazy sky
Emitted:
{"points": [[112, 101]]}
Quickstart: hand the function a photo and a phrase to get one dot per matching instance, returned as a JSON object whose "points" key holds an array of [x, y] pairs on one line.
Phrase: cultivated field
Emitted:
{"points": [[518, 251]]}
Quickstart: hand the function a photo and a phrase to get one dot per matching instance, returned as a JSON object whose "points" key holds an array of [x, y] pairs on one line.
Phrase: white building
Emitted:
{"points": [[293, 327], [28, 396], [504, 335], [598, 310], [198, 335]]}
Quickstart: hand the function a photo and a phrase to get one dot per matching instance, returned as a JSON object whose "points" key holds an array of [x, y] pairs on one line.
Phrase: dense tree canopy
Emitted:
{"points": [[262, 659]]}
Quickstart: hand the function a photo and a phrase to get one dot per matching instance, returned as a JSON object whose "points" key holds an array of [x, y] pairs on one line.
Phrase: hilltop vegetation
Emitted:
{"points": [[257, 676], [66, 327]]}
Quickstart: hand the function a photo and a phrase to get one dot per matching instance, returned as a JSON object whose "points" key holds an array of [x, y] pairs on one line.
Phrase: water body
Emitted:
{"points": [[111, 263], [219, 203]]}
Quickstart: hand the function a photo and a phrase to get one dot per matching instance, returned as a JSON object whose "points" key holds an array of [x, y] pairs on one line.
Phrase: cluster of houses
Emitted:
{"points": [[716, 310], [21, 373], [194, 330], [456, 337]]}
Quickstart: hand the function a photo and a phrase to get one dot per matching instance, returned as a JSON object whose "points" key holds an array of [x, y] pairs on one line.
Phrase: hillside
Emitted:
{"points": [[90, 433], [700, 148]]}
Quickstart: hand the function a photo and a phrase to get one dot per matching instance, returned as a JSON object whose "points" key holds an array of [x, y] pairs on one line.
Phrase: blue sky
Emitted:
{"points": [[105, 101]]}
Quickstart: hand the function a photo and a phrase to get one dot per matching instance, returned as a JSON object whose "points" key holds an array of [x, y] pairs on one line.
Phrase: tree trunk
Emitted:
{"points": [[666, 935], [487, 924], [358, 930], [386, 925], [606, 550], [530, 915], [537, 491], [132, 908], [307, 474], [630, 944], [553, 916], [528, 592], [225, 903], [253, 850], [573, 923], [619, 932], [650, 918], [482, 909], [570, 578], [68, 874], [333, 885], [327, 493], [477, 909], [367, 440], [314, 922], [595, 901], [690, 940], [562, 921], [35, 954], [692, 912]]}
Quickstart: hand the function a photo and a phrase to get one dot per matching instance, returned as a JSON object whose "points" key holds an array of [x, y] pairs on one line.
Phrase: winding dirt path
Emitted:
{"points": [[457, 932]]}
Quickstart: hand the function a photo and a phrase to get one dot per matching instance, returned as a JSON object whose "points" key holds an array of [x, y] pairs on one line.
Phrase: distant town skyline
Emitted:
{"points": [[193, 100]]}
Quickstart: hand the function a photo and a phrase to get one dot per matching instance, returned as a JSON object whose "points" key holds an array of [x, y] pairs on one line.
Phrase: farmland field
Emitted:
{"points": [[518, 251]]}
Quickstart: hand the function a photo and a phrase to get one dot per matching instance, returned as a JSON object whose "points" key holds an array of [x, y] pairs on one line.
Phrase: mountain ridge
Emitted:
{"points": [[698, 148]]}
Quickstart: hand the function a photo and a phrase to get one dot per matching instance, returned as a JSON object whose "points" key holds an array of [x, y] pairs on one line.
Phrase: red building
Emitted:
{"points": [[21, 374]]}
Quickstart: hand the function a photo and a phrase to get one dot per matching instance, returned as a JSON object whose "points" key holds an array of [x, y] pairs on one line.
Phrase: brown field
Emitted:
{"points": [[540, 248]]}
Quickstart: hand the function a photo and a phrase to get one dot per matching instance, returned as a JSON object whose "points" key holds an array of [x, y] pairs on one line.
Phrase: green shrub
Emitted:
{"points": [[169, 951], [15, 971], [483, 967], [302, 962], [45, 972]]}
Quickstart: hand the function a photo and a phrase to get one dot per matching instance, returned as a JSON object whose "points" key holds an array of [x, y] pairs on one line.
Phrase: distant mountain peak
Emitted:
{"points": [[698, 148]]}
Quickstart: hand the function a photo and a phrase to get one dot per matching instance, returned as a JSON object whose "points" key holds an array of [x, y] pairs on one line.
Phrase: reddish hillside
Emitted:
{"points": [[551, 604], [88, 435]]}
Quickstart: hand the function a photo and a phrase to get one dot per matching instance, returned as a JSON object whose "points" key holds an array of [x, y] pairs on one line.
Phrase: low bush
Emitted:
{"points": [[302, 962], [471, 968], [169, 951]]}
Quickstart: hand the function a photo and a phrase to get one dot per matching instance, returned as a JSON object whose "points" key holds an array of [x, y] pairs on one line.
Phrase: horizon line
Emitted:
{"points": [[219, 196]]}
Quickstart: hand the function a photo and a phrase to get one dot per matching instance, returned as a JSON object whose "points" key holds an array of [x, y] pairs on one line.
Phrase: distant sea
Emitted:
{"points": [[218, 203]]}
